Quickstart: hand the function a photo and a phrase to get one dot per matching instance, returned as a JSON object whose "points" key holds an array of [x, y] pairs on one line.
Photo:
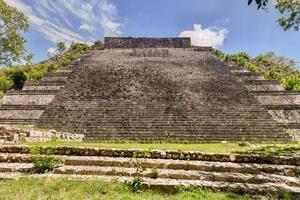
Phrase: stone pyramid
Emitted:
{"points": [[156, 89]]}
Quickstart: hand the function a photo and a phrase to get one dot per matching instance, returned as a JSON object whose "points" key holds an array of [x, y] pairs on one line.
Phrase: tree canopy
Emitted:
{"points": [[12, 44], [289, 10]]}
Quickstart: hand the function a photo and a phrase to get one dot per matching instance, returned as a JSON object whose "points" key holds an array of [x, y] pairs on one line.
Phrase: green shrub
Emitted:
{"points": [[273, 75], [219, 53], [45, 163], [292, 83], [155, 173], [262, 59], [243, 55], [52, 67], [136, 184], [80, 47], [34, 74], [65, 62], [238, 60], [19, 78], [98, 43], [1, 94], [5, 84], [252, 68]]}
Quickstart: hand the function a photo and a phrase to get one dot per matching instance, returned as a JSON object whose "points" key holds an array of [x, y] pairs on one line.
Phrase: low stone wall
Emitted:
{"points": [[13, 135], [177, 155], [123, 42]]}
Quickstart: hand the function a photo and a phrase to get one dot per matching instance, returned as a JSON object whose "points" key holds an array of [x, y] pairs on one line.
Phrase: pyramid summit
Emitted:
{"points": [[156, 89]]}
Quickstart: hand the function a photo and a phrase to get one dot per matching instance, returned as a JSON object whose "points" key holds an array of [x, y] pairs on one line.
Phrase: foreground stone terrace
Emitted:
{"points": [[163, 169]]}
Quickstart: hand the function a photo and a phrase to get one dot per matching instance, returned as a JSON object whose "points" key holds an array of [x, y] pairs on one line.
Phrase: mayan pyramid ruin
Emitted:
{"points": [[156, 89]]}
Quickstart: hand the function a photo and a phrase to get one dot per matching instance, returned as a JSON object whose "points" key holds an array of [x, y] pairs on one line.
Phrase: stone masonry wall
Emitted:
{"points": [[123, 42], [158, 154]]}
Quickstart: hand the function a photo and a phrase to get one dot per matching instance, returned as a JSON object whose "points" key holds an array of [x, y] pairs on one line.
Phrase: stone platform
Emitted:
{"points": [[165, 170]]}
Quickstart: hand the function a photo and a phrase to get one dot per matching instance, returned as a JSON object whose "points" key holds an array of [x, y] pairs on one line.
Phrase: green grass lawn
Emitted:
{"points": [[273, 149], [34, 188]]}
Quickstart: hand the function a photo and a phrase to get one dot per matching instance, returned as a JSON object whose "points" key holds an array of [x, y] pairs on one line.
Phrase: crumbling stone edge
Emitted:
{"points": [[12, 135]]}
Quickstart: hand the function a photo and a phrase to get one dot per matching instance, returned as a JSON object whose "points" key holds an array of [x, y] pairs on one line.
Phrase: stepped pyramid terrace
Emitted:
{"points": [[156, 89]]}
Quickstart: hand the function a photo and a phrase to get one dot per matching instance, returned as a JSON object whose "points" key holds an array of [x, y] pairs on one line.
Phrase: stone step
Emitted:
{"points": [[26, 99], [31, 92], [280, 99], [163, 112], [22, 107], [283, 107], [239, 71], [43, 88], [157, 154], [54, 78], [283, 170], [276, 93], [165, 171], [249, 75], [286, 116], [44, 83], [179, 174], [16, 167], [267, 87], [144, 137], [152, 123], [66, 71], [171, 185], [183, 130], [20, 114], [18, 121], [262, 82], [59, 73], [291, 125]]}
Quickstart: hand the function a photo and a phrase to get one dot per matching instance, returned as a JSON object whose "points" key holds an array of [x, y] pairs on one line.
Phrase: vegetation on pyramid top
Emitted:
{"points": [[273, 67]]}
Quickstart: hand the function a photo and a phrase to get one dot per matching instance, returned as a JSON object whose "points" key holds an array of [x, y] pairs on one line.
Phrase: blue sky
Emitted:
{"points": [[230, 25]]}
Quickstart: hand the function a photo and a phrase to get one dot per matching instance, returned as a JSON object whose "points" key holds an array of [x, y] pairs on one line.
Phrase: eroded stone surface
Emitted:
{"points": [[187, 95], [27, 99]]}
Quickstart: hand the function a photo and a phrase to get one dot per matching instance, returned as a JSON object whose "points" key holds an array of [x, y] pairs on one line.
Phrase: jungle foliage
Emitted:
{"points": [[12, 43], [272, 66], [289, 12], [15, 77]]}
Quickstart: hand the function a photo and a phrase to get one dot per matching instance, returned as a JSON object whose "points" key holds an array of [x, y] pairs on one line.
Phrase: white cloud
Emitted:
{"points": [[108, 14], [110, 27], [58, 20], [52, 51], [87, 28], [206, 37]]}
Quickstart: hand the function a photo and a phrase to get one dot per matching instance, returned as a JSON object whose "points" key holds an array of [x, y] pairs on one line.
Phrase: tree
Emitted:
{"points": [[61, 47], [12, 44], [19, 78], [289, 10]]}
